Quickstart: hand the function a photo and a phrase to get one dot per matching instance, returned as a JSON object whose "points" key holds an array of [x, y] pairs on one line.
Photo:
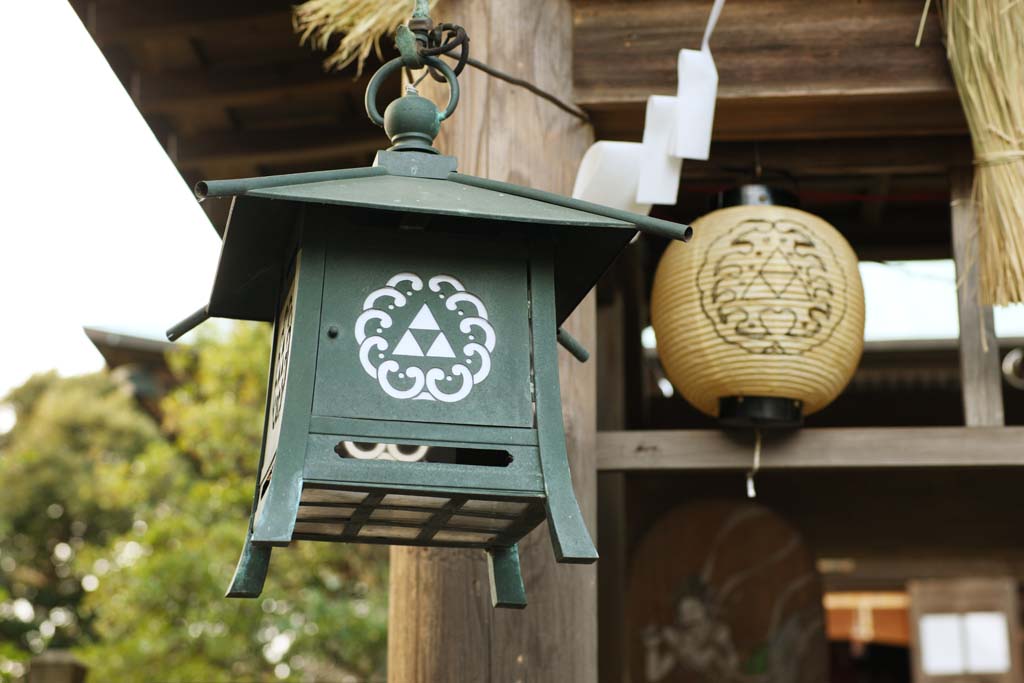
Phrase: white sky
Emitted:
{"points": [[97, 227]]}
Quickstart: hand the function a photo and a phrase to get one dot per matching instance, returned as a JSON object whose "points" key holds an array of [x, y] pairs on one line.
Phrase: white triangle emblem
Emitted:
{"points": [[424, 320], [441, 348], [408, 346]]}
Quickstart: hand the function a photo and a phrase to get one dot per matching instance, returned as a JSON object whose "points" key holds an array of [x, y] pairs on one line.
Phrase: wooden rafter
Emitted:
{"points": [[838, 157], [268, 147], [132, 21], [196, 90]]}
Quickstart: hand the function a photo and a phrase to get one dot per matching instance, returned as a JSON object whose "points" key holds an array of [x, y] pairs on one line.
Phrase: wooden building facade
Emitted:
{"points": [[911, 475]]}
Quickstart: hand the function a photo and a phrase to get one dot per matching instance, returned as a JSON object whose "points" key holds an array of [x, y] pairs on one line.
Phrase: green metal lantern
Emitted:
{"points": [[413, 395]]}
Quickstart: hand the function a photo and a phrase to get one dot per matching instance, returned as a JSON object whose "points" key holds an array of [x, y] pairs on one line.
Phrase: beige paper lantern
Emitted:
{"points": [[760, 318]]}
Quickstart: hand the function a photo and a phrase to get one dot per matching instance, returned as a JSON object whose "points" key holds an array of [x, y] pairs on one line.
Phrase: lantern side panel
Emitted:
{"points": [[279, 369], [282, 466], [425, 326]]}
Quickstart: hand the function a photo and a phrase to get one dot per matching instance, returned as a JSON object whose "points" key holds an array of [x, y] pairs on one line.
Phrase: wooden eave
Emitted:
{"points": [[229, 92]]}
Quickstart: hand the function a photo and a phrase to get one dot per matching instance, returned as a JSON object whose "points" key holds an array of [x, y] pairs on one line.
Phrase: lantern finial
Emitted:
{"points": [[411, 122]]}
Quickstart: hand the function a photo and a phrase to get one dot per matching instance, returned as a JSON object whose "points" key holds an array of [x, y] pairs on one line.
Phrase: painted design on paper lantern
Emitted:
{"points": [[430, 343], [770, 288]]}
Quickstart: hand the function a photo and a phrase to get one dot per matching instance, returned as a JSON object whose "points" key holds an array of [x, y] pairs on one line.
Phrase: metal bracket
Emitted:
{"points": [[573, 345]]}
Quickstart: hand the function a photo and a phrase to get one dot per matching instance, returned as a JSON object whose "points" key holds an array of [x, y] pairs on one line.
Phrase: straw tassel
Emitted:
{"points": [[362, 23], [985, 48]]}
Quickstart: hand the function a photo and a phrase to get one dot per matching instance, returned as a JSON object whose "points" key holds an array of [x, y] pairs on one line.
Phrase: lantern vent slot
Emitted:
{"points": [[411, 453]]}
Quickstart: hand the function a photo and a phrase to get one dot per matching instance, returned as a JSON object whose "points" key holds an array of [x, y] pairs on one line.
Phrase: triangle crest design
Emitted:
{"points": [[441, 348], [408, 346], [424, 320]]}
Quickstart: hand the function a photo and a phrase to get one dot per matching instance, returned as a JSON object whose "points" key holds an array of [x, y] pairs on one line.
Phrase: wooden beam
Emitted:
{"points": [[288, 146], [808, 117], [185, 91], [114, 22], [441, 626], [888, 572], [787, 68], [893, 156], [853, 448], [981, 377]]}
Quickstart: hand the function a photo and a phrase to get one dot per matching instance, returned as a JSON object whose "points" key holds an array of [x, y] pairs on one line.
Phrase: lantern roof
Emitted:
{"points": [[264, 210]]}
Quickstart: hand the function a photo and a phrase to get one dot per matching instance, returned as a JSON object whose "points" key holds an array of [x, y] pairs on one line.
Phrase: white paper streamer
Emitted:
{"points": [[634, 176], [659, 174], [695, 104], [608, 175]]}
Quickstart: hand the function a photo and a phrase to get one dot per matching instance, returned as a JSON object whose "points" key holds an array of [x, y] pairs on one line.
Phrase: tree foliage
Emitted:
{"points": [[154, 518]]}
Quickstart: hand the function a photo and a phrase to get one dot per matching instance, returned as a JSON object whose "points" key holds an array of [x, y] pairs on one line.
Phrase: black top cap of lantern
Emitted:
{"points": [[757, 194], [409, 183]]}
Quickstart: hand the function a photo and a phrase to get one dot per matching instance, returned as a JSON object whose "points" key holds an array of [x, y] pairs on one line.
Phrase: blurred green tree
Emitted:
{"points": [[161, 517]]}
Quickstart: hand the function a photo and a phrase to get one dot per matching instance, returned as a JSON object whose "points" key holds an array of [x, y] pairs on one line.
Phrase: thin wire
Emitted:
{"points": [[751, 490], [443, 40], [564, 106]]}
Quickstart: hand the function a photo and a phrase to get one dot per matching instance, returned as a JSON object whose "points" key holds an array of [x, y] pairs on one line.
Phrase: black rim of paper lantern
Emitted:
{"points": [[768, 412]]}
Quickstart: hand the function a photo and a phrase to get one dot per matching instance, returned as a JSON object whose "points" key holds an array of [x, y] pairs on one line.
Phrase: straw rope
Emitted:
{"points": [[361, 23], [764, 301], [985, 47]]}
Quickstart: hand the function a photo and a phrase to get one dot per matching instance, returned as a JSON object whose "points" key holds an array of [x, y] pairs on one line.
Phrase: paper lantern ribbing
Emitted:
{"points": [[765, 305]]}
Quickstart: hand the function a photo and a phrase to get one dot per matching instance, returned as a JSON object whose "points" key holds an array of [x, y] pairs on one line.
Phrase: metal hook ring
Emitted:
{"points": [[396, 64]]}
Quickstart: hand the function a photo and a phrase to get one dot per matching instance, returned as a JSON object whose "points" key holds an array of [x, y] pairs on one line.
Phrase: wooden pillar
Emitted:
{"points": [[611, 573], [56, 666], [980, 374], [611, 486], [441, 624]]}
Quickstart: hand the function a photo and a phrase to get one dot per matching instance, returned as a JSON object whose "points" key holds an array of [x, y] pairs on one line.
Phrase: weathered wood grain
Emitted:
{"points": [[897, 156], [191, 91], [611, 486], [134, 21], [308, 144], [442, 627], [981, 378], [787, 68], [854, 448]]}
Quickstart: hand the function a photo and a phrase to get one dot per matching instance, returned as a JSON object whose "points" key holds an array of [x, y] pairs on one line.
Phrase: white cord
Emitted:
{"points": [[716, 10], [751, 490]]}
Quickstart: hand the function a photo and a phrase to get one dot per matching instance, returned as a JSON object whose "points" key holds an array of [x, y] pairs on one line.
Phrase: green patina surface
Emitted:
{"points": [[414, 394]]}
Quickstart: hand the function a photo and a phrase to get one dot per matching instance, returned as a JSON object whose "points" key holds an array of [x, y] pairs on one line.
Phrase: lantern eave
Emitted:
{"points": [[387, 192], [264, 215]]}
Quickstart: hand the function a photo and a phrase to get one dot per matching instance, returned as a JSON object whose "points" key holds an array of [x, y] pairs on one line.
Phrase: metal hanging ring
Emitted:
{"points": [[396, 65], [443, 40]]}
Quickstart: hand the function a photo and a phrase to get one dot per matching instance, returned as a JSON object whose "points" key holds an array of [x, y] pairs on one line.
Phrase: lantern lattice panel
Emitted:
{"points": [[411, 518]]}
